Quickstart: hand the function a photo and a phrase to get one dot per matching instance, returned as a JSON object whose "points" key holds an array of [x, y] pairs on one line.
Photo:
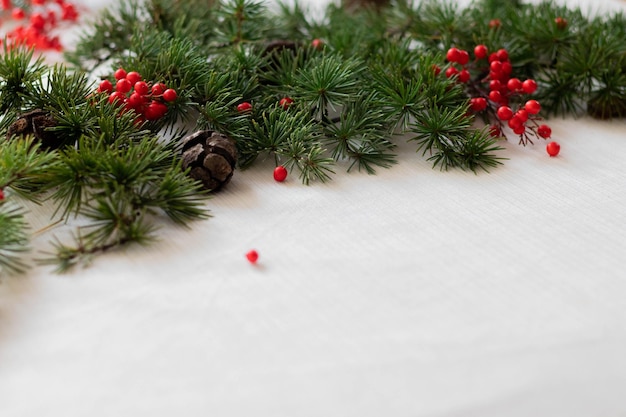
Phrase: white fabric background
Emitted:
{"points": [[414, 292]]}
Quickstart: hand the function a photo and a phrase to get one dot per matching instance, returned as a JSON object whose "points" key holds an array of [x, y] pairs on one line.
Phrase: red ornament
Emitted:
{"points": [[252, 256], [553, 148], [244, 107], [280, 173], [285, 102], [170, 95]]}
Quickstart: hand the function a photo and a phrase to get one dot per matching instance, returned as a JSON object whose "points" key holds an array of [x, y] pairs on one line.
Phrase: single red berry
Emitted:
{"points": [[18, 13], [464, 76], [514, 85], [495, 96], [532, 106], [494, 23], [463, 58], [280, 173], [141, 87], [553, 148], [451, 72], [117, 98], [136, 100], [529, 86], [478, 104], [496, 67], [105, 86], [503, 55], [504, 113], [480, 51], [544, 131], [519, 130], [244, 107], [317, 44], [120, 74], [560, 22], [522, 114], [436, 69], [507, 68], [515, 122], [170, 95], [158, 89], [453, 55], [1, 194], [133, 77], [493, 57], [6, 4], [123, 86], [285, 102], [155, 110], [495, 131], [37, 21], [252, 256], [495, 85]]}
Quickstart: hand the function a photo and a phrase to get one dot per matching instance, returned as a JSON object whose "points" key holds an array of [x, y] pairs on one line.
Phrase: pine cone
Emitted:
{"points": [[36, 122], [211, 156]]}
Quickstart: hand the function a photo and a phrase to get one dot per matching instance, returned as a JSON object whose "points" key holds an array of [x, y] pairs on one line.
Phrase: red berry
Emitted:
{"points": [[451, 72], [436, 69], [117, 98], [519, 130], [561, 23], [507, 68], [544, 131], [495, 85], [522, 115], [496, 67], [170, 95], [532, 106], [133, 77], [494, 23], [1, 194], [493, 57], [495, 96], [280, 173], [453, 55], [529, 86], [515, 122], [105, 87], [141, 87], [18, 13], [514, 84], [252, 256], [244, 107], [317, 44], [155, 110], [463, 58], [158, 89], [480, 52], [478, 104], [37, 21], [503, 55], [136, 100], [553, 148], [120, 74], [504, 113], [123, 86], [285, 102], [464, 76], [495, 131]]}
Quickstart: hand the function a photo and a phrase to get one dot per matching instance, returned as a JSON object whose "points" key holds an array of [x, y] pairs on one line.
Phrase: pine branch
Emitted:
{"points": [[14, 239]]}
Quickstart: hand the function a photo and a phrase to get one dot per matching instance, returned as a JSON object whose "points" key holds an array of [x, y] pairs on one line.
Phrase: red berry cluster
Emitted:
{"points": [[131, 92], [496, 91], [36, 21]]}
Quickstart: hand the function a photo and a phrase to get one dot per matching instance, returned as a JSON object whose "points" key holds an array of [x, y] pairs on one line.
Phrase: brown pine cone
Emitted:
{"points": [[36, 122], [211, 156]]}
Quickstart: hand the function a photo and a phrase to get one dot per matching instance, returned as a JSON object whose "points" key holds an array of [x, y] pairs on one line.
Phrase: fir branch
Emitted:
{"points": [[14, 239], [18, 69]]}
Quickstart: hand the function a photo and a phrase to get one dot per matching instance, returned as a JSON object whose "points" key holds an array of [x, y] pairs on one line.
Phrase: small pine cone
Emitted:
{"points": [[36, 123], [211, 156]]}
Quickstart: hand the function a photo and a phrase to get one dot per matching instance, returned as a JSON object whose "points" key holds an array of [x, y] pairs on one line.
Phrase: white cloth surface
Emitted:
{"points": [[413, 292]]}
